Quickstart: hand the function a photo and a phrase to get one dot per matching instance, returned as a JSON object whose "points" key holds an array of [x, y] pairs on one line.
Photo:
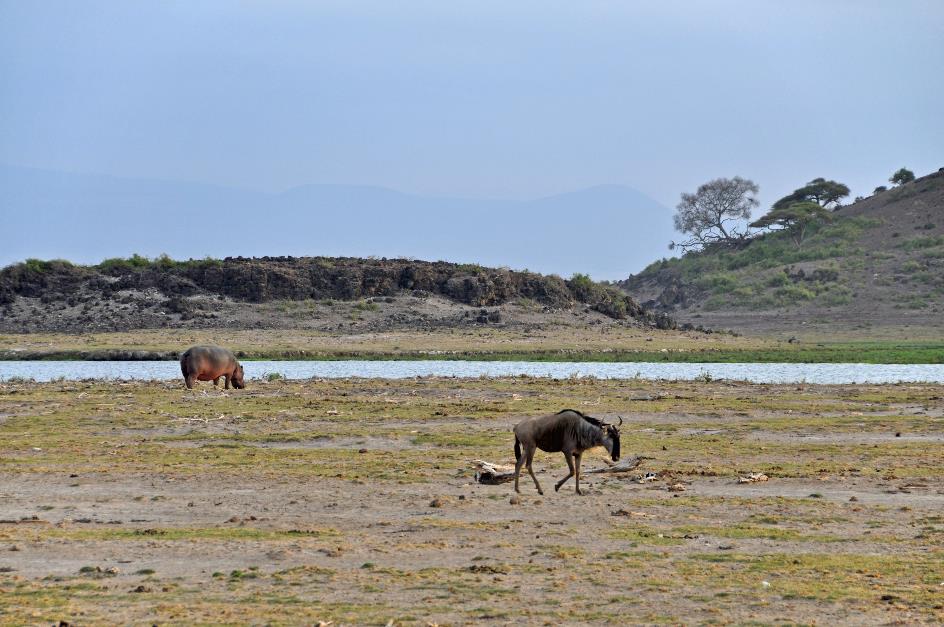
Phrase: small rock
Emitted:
{"points": [[436, 502], [515, 500], [363, 450], [725, 547], [853, 499], [233, 519], [676, 487], [141, 588]]}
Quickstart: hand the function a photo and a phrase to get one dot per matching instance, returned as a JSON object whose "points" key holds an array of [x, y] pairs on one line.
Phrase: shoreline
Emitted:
{"points": [[877, 353]]}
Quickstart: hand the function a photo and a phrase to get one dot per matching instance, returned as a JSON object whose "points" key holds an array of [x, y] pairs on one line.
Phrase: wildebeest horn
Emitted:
{"points": [[620, 422]]}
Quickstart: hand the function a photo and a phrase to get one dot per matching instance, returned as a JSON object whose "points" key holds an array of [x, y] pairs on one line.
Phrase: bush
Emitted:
{"points": [[778, 280], [582, 287]]}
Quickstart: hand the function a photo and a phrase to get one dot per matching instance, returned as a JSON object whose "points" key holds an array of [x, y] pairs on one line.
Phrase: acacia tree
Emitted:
{"points": [[795, 219], [711, 214], [902, 176], [819, 190]]}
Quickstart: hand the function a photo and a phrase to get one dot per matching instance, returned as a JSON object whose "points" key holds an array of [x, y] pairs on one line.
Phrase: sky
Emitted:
{"points": [[480, 99]]}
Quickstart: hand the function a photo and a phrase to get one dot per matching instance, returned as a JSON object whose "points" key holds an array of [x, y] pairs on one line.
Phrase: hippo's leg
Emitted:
{"points": [[217, 380], [227, 380], [188, 380]]}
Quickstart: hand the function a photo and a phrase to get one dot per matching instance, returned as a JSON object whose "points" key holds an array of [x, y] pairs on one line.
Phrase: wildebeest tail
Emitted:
{"points": [[517, 449]]}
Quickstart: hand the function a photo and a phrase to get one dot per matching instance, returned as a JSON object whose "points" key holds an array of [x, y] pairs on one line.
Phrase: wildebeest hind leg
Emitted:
{"points": [[537, 485], [518, 465], [570, 464], [577, 457]]}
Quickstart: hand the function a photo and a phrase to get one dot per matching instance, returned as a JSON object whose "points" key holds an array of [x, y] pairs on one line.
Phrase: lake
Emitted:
{"points": [[753, 372]]}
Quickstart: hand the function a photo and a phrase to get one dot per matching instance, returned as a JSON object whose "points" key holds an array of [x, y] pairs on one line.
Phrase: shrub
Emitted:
{"points": [[778, 280], [582, 287], [789, 293], [923, 242]]}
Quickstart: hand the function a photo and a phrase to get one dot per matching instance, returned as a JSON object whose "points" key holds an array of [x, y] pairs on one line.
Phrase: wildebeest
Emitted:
{"points": [[211, 363], [569, 432]]}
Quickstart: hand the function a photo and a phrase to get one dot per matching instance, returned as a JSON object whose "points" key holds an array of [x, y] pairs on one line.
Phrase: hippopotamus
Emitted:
{"points": [[211, 363]]}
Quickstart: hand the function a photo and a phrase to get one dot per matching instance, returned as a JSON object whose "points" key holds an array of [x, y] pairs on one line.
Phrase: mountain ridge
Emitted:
{"points": [[61, 215]]}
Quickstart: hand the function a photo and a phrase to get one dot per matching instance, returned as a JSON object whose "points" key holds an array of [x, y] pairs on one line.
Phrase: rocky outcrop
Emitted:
{"points": [[264, 279]]}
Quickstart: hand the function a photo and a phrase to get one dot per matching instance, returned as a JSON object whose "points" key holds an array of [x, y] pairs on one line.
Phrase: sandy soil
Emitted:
{"points": [[145, 505]]}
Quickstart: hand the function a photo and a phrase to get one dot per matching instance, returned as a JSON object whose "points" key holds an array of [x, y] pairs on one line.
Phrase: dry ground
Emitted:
{"points": [[559, 339], [353, 502]]}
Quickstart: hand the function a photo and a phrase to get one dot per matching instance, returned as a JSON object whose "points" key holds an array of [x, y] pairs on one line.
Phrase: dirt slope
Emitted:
{"points": [[876, 270]]}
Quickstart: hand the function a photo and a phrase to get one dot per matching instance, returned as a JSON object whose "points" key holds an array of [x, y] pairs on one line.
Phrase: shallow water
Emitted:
{"points": [[754, 372]]}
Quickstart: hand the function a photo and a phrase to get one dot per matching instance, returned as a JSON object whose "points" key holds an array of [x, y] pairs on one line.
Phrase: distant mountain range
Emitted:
{"points": [[607, 231]]}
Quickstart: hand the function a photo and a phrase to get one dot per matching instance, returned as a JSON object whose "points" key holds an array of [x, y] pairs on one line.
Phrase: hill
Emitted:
{"points": [[319, 293], [606, 231], [877, 269]]}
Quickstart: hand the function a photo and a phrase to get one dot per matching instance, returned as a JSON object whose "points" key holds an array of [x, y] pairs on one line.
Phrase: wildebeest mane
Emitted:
{"points": [[596, 422]]}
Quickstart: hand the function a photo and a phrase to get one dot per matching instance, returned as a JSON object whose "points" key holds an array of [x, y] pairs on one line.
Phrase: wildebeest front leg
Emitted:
{"points": [[570, 464], [531, 472]]}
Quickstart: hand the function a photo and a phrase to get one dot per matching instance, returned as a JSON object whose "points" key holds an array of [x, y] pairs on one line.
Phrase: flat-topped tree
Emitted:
{"points": [[711, 215], [820, 191], [902, 176], [795, 219]]}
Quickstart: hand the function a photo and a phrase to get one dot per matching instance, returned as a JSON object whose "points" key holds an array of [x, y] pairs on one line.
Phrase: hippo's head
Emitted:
{"points": [[237, 378]]}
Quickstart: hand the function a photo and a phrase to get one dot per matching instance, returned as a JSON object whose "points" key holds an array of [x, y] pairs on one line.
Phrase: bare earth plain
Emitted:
{"points": [[354, 502]]}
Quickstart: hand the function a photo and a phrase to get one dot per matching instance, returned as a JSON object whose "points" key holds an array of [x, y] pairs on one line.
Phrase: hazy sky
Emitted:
{"points": [[487, 99]]}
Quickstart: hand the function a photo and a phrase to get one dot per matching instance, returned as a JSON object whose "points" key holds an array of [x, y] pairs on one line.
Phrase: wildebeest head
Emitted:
{"points": [[613, 436], [237, 379]]}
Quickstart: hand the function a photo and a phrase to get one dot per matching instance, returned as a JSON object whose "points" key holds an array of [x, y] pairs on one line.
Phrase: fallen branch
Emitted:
{"points": [[754, 477], [630, 463], [493, 474]]}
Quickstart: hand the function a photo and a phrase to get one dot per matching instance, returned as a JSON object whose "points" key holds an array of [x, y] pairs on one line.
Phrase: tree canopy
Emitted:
{"points": [[819, 191], [795, 218], [712, 213], [902, 176]]}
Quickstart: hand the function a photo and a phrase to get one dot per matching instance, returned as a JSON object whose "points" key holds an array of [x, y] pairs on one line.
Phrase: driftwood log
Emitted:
{"points": [[493, 474], [625, 465]]}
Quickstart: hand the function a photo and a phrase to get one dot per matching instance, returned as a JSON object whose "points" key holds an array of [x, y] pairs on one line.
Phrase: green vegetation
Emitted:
{"points": [[346, 536], [772, 282], [902, 176], [819, 192]]}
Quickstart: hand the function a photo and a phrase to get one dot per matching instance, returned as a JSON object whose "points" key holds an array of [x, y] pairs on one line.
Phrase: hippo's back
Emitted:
{"points": [[206, 358]]}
